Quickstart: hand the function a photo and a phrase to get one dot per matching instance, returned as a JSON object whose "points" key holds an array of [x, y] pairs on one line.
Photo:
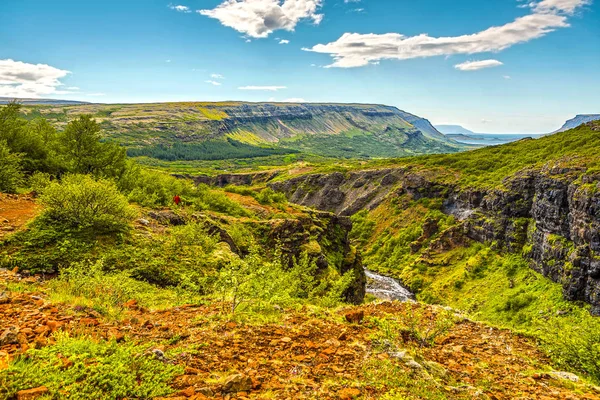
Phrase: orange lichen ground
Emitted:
{"points": [[309, 353], [15, 211]]}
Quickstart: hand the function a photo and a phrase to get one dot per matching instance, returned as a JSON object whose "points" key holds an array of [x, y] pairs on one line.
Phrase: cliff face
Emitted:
{"points": [[578, 120], [551, 214]]}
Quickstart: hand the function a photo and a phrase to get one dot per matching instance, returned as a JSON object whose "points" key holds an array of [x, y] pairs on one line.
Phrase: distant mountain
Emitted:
{"points": [[32, 102], [223, 130], [454, 130], [578, 120]]}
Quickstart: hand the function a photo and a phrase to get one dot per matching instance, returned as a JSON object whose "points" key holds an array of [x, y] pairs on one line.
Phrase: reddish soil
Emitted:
{"points": [[15, 212]]}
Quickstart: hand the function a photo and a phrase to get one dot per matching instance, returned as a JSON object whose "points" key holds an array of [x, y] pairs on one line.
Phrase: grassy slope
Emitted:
{"points": [[492, 286], [333, 130]]}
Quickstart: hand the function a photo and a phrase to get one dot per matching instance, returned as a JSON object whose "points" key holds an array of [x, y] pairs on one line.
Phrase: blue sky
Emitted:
{"points": [[506, 66]]}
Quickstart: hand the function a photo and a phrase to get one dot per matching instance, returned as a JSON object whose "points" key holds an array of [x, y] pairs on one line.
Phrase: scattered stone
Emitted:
{"points": [[10, 336], [159, 354], [144, 222], [4, 298], [188, 392], [237, 383], [32, 393], [413, 364], [564, 376], [355, 317], [348, 393], [89, 322]]}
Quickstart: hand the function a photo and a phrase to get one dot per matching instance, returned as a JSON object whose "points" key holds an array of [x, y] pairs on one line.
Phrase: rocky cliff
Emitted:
{"points": [[551, 214]]}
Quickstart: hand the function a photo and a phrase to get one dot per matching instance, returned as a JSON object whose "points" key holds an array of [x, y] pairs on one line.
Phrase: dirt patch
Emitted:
{"points": [[15, 212]]}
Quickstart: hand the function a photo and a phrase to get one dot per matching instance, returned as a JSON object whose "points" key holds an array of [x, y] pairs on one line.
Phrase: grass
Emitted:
{"points": [[83, 368]]}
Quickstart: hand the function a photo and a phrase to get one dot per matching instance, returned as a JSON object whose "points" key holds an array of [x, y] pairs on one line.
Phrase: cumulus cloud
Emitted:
{"points": [[19, 79], [217, 76], [475, 65], [180, 8], [259, 18], [357, 50], [284, 41], [263, 88], [214, 83]]}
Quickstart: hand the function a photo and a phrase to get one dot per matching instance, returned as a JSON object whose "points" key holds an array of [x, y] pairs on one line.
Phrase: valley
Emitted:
{"points": [[466, 274]]}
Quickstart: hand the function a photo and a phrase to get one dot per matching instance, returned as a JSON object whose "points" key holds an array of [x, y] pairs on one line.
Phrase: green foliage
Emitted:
{"points": [[151, 188], [99, 370], [208, 150], [83, 203], [206, 198], [11, 175], [88, 284], [269, 196], [362, 227], [253, 283], [84, 152]]}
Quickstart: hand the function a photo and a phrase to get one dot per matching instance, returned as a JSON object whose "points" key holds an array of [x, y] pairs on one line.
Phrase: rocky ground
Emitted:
{"points": [[309, 353]]}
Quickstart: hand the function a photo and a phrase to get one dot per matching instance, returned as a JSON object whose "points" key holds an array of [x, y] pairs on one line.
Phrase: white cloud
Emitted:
{"points": [[558, 6], [475, 65], [217, 76], [215, 83], [295, 100], [180, 8], [284, 41], [19, 79], [95, 94], [259, 18], [506, 77], [72, 88], [357, 50], [263, 88]]}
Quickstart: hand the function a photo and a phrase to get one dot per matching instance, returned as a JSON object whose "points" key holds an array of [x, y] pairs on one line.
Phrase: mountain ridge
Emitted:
{"points": [[578, 120], [199, 128]]}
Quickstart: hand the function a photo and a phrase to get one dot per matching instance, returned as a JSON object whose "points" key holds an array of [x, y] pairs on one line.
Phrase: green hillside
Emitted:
{"points": [[233, 130]]}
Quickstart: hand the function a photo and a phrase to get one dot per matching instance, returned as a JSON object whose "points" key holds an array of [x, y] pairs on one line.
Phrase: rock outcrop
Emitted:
{"points": [[551, 214]]}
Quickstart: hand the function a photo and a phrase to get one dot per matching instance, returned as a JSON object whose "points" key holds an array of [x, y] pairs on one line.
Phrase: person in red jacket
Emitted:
{"points": [[177, 199]]}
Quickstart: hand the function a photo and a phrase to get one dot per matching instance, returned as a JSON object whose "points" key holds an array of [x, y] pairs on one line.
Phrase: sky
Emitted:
{"points": [[499, 66]]}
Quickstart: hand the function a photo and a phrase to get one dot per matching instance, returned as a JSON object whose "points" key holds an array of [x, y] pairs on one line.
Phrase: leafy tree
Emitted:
{"points": [[33, 140], [10, 169], [85, 153]]}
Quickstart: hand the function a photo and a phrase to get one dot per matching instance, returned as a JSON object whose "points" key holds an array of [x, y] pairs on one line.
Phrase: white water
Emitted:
{"points": [[386, 288]]}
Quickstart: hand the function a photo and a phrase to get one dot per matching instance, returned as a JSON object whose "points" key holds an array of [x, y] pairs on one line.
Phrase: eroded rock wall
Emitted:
{"points": [[550, 214]]}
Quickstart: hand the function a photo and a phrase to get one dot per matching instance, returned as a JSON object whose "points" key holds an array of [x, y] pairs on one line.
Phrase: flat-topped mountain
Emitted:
{"points": [[578, 120], [199, 130], [34, 101], [454, 130]]}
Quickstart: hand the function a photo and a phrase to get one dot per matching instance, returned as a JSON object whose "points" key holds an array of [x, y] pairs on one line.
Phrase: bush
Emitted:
{"points": [[83, 203], [11, 175], [268, 196]]}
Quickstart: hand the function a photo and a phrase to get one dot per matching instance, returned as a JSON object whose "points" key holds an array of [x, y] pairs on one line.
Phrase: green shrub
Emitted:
{"points": [[269, 196], [80, 202], [99, 370], [11, 175]]}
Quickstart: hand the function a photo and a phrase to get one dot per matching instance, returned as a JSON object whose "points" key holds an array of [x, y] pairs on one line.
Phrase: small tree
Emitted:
{"points": [[86, 154], [10, 169], [81, 202]]}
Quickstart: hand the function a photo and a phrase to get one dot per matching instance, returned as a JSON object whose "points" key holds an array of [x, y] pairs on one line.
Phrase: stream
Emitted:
{"points": [[386, 288]]}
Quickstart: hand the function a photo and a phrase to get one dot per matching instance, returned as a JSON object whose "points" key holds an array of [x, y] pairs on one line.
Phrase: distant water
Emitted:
{"points": [[492, 139]]}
